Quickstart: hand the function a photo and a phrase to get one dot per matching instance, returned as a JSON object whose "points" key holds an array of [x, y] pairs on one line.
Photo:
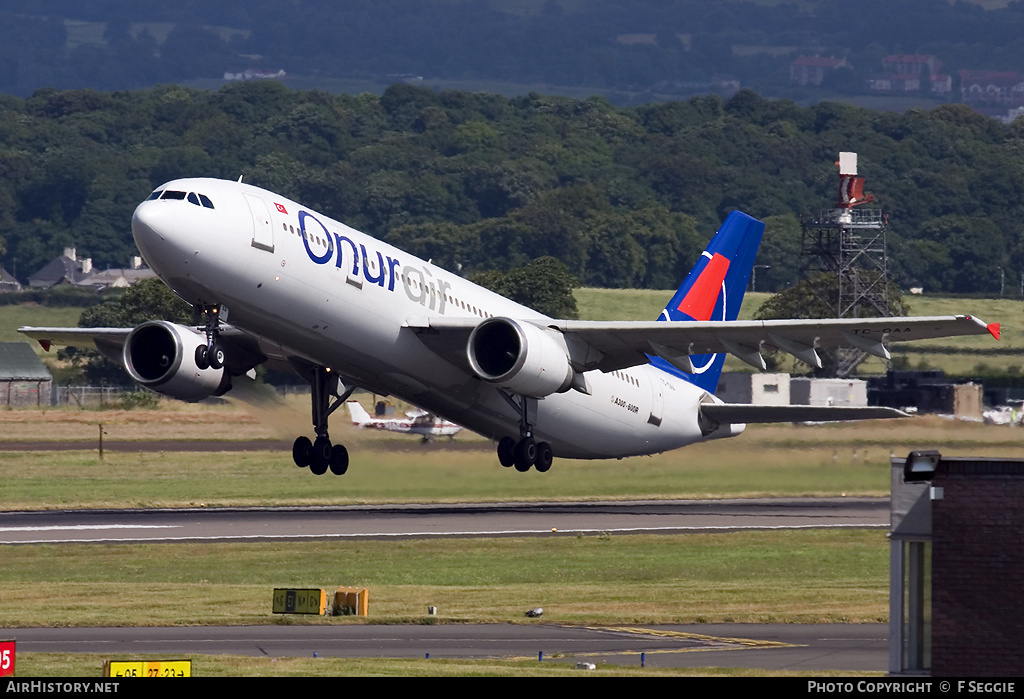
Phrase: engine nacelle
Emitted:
{"points": [[520, 357], [162, 356]]}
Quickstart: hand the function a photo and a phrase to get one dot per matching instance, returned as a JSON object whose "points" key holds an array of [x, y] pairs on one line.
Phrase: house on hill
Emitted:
{"points": [[8, 282], [118, 277], [811, 70], [66, 269], [24, 381]]}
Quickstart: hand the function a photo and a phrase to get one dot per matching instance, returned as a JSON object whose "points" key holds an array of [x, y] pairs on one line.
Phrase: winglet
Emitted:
{"points": [[994, 329], [45, 344]]}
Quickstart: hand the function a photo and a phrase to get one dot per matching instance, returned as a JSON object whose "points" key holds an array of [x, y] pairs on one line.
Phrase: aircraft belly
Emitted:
{"points": [[614, 422]]}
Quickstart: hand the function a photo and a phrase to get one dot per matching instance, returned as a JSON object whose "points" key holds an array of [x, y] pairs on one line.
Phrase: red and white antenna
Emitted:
{"points": [[851, 187]]}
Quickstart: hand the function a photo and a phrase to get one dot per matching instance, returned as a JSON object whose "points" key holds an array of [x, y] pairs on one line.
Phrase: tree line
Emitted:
{"points": [[624, 197]]}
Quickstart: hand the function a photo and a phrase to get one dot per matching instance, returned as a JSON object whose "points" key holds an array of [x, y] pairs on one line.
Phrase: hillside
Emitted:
{"points": [[624, 197]]}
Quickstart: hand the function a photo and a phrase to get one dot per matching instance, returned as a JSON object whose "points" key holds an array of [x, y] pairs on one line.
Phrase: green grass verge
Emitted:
{"points": [[758, 577]]}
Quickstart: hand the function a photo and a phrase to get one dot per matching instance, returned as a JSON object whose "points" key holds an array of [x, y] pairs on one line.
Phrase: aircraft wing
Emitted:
{"points": [[244, 348], [612, 345], [107, 341], [627, 344]]}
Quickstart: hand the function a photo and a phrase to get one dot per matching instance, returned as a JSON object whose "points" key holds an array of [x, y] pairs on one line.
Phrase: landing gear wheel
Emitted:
{"points": [[506, 451], [339, 460], [202, 360], [320, 456], [544, 457], [302, 449], [215, 356], [526, 454]]}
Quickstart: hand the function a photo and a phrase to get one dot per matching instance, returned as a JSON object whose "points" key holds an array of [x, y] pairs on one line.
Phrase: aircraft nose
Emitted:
{"points": [[146, 222], [153, 227]]}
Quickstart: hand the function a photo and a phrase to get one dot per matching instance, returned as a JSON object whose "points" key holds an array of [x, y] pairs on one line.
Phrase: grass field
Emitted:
{"points": [[767, 460], [799, 576]]}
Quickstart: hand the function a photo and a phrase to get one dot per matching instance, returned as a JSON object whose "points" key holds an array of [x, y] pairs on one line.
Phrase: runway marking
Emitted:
{"points": [[717, 643], [663, 633], [84, 527]]}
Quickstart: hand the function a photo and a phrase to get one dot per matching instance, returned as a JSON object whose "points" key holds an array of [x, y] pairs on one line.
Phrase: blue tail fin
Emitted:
{"points": [[714, 291]]}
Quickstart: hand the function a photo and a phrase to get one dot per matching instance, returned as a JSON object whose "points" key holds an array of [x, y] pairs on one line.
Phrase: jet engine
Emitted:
{"points": [[520, 357], [161, 356]]}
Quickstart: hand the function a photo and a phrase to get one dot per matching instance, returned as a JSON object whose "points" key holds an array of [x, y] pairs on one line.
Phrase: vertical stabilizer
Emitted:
{"points": [[358, 412], [714, 290]]}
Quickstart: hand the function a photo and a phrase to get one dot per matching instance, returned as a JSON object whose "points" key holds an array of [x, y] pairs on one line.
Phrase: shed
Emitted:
{"points": [[24, 381]]}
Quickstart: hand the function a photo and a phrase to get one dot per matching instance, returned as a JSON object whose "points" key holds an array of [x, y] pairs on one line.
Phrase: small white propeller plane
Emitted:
{"points": [[416, 421], [285, 286]]}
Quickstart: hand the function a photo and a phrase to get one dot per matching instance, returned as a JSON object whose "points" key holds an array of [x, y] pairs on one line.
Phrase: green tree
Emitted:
{"points": [[545, 285], [148, 299]]}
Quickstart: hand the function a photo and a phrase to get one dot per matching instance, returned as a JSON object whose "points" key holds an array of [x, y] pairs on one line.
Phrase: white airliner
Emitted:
{"points": [[417, 421], [285, 286]]}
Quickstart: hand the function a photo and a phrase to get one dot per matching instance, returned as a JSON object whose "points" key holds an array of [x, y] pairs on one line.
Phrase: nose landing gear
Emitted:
{"points": [[211, 355]]}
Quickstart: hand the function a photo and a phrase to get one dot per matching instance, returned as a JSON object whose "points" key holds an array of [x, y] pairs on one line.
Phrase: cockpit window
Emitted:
{"points": [[191, 197]]}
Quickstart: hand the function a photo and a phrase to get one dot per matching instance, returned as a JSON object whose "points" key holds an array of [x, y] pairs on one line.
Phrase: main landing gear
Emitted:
{"points": [[319, 454], [527, 451], [210, 355]]}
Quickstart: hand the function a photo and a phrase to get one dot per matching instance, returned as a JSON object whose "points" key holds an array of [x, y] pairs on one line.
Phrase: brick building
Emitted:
{"points": [[958, 569], [978, 569]]}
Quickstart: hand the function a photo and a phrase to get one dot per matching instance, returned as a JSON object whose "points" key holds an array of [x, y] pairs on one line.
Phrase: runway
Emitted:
{"points": [[794, 647], [421, 521]]}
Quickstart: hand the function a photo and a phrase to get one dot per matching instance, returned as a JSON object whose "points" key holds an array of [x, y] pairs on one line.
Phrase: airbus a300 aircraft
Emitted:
{"points": [[283, 285], [416, 421]]}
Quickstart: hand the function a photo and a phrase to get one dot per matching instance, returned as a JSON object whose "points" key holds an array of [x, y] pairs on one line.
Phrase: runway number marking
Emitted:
{"points": [[6, 658], [158, 668]]}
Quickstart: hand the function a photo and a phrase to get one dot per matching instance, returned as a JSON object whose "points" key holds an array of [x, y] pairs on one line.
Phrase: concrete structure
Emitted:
{"points": [[928, 391], [849, 392], [760, 389]]}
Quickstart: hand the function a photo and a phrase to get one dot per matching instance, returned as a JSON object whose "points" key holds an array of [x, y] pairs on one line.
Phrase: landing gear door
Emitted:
{"points": [[657, 401], [262, 230]]}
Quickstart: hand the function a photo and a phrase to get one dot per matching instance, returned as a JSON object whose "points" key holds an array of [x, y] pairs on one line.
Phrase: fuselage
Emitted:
{"points": [[323, 292]]}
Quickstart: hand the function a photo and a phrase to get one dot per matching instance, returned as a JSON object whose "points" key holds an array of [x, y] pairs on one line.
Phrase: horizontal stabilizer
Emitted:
{"points": [[743, 413]]}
